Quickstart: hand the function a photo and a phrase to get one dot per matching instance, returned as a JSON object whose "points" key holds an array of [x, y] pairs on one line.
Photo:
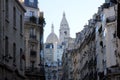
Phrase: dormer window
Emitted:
{"points": [[31, 13], [31, 1]]}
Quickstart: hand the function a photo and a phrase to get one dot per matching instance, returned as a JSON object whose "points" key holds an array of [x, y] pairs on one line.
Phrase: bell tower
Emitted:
{"points": [[64, 32]]}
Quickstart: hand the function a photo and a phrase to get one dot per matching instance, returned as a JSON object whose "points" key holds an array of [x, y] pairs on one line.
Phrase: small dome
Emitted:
{"points": [[52, 37]]}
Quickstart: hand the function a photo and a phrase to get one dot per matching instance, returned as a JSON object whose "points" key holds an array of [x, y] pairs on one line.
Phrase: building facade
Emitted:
{"points": [[95, 55], [50, 49], [108, 51], [53, 49], [12, 60], [67, 61], [64, 31], [34, 28]]}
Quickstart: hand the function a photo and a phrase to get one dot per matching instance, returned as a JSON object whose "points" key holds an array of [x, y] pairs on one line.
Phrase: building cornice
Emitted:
{"points": [[21, 6]]}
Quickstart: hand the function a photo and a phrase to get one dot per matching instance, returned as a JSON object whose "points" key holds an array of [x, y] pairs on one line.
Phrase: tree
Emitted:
{"points": [[42, 21]]}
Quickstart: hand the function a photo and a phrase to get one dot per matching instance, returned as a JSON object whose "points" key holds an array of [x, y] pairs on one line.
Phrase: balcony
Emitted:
{"points": [[33, 53], [33, 38], [32, 71], [36, 72], [35, 20], [31, 19]]}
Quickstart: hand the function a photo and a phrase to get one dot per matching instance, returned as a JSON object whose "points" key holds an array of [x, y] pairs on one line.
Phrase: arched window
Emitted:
{"points": [[65, 32]]}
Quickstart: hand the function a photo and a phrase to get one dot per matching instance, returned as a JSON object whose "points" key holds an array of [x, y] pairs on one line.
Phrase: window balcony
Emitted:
{"points": [[35, 20], [31, 19], [33, 53], [33, 38], [32, 71]]}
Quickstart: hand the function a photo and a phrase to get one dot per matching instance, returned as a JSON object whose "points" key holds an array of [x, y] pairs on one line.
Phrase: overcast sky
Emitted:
{"points": [[78, 12]]}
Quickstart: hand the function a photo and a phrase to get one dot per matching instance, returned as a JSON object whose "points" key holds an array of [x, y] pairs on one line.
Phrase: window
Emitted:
{"points": [[32, 63], [50, 46], [100, 30], [21, 24], [6, 46], [104, 33], [31, 1], [65, 32], [32, 47], [6, 8], [21, 58], [14, 52], [14, 16], [103, 19], [118, 20], [31, 13], [32, 33]]}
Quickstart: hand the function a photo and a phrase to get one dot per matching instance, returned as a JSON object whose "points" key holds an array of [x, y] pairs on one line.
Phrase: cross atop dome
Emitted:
{"points": [[63, 14], [52, 28], [52, 37]]}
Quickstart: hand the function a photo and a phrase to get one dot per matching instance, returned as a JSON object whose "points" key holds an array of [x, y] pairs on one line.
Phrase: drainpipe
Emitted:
{"points": [[0, 29]]}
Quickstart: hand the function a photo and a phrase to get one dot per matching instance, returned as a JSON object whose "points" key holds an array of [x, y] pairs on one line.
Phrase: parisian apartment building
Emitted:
{"points": [[96, 51], [33, 39], [93, 55], [21, 40], [11, 40]]}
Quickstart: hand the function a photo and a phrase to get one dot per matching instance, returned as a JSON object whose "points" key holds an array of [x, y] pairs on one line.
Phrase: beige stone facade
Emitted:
{"points": [[95, 55], [107, 44], [68, 61], [33, 47], [33, 40], [32, 50], [11, 40]]}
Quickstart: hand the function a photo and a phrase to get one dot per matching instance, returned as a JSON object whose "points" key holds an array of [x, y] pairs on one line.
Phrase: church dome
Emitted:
{"points": [[64, 23], [52, 37]]}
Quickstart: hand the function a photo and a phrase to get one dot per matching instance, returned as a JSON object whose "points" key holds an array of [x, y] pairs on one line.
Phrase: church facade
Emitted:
{"points": [[54, 46], [53, 50]]}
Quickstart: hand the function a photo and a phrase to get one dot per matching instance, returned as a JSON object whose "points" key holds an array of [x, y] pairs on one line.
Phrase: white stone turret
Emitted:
{"points": [[64, 31]]}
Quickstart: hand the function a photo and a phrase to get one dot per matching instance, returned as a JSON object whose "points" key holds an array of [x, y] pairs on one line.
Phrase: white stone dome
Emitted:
{"points": [[52, 37]]}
